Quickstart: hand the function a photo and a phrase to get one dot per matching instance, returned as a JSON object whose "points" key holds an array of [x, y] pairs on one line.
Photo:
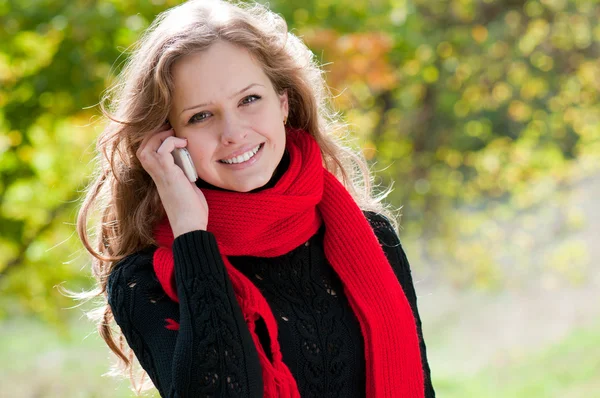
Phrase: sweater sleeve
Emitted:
{"points": [[198, 348], [393, 249]]}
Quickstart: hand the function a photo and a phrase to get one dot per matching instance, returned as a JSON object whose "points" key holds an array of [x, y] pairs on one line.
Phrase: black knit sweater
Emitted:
{"points": [[201, 347]]}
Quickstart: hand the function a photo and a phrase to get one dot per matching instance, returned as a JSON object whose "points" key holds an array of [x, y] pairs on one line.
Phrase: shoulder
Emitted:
{"points": [[389, 241], [383, 229]]}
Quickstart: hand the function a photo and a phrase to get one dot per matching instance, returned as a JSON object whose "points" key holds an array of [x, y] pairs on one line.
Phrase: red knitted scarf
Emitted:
{"points": [[276, 220]]}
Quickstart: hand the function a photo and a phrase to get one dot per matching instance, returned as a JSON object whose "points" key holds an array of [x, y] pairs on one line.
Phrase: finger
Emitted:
{"points": [[170, 143], [145, 142], [153, 141]]}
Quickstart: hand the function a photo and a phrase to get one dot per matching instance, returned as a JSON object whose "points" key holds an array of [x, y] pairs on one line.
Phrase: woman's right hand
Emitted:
{"points": [[183, 201]]}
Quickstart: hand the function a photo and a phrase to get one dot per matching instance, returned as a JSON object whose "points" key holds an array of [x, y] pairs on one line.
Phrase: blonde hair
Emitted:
{"points": [[138, 104]]}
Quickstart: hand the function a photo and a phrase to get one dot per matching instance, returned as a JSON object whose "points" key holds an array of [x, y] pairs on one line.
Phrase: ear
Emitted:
{"points": [[284, 103]]}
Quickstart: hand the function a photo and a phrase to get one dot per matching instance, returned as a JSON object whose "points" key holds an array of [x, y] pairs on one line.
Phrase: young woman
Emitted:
{"points": [[275, 273]]}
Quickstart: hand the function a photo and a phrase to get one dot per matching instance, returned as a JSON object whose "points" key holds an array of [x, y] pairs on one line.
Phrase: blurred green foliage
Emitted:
{"points": [[460, 102]]}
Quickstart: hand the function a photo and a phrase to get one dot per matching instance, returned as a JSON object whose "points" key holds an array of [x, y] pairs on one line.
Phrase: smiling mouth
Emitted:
{"points": [[243, 157]]}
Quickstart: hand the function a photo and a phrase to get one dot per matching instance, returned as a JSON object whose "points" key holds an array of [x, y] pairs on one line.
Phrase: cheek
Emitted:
{"points": [[278, 145], [200, 151]]}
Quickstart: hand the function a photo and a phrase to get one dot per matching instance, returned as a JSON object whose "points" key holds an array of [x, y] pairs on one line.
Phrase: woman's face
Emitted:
{"points": [[227, 108]]}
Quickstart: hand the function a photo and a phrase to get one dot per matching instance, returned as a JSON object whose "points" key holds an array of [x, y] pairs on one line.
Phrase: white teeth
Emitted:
{"points": [[243, 157]]}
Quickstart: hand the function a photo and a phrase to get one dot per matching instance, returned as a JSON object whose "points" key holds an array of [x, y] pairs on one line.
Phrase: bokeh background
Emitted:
{"points": [[484, 114]]}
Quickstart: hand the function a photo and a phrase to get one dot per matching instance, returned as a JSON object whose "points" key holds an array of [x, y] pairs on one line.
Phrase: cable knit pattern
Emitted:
{"points": [[320, 337], [210, 352]]}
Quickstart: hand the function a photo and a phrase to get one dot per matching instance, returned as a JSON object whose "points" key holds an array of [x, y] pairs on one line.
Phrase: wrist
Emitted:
{"points": [[183, 227]]}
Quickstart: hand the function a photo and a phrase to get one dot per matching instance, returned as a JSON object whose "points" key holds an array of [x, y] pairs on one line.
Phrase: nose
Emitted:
{"points": [[232, 131]]}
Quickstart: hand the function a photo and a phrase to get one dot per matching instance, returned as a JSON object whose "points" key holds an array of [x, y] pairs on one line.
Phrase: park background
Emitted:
{"points": [[484, 115]]}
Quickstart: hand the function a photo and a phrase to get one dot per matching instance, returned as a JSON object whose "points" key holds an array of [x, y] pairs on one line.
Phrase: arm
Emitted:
{"points": [[393, 249], [199, 347]]}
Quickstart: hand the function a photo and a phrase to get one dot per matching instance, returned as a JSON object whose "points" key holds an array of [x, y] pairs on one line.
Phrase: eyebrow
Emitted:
{"points": [[230, 97]]}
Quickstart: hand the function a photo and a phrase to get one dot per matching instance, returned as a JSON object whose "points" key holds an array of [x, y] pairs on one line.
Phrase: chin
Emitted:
{"points": [[242, 189], [250, 185]]}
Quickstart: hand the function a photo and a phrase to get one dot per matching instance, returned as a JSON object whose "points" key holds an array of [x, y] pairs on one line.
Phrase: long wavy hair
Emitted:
{"points": [[122, 200]]}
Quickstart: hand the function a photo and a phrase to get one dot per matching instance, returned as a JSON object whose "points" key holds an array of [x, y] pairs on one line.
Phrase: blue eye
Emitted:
{"points": [[249, 99], [198, 117]]}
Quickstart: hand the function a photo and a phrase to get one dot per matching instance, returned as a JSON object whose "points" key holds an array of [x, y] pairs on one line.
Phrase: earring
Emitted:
{"points": [[285, 120]]}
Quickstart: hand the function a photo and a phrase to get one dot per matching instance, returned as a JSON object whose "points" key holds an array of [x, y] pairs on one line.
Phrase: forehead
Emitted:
{"points": [[215, 73]]}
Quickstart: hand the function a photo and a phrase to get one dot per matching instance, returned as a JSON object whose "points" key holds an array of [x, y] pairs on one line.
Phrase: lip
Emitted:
{"points": [[241, 151], [247, 163]]}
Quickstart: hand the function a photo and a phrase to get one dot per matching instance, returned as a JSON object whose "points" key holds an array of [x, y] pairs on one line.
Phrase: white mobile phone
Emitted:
{"points": [[183, 159]]}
